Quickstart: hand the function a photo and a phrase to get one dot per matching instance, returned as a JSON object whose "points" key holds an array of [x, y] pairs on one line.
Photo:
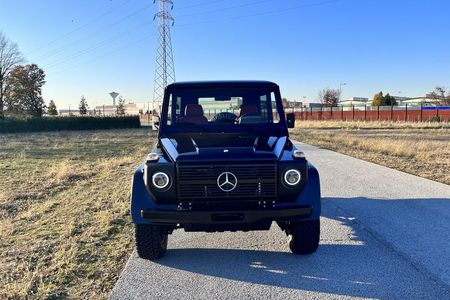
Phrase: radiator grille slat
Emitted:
{"points": [[199, 182]]}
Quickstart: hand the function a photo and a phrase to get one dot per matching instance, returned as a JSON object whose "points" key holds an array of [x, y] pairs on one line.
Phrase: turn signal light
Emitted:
{"points": [[152, 157], [298, 154]]}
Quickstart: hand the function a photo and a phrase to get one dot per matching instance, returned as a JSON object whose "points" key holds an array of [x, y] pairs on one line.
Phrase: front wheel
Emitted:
{"points": [[151, 241], [304, 236]]}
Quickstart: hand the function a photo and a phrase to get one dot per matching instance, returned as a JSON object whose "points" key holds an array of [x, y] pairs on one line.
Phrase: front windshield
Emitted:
{"points": [[220, 106]]}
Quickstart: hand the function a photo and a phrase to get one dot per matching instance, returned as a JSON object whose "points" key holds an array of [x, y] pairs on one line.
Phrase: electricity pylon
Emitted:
{"points": [[164, 68]]}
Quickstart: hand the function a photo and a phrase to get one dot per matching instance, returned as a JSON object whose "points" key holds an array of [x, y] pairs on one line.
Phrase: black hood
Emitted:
{"points": [[222, 147]]}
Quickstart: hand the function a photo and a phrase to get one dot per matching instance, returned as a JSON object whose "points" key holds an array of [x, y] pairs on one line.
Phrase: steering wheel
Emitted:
{"points": [[224, 117], [239, 119]]}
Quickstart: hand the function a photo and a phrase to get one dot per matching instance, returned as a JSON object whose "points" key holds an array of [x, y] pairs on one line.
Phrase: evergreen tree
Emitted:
{"points": [[120, 106], [389, 100], [51, 109], [83, 107]]}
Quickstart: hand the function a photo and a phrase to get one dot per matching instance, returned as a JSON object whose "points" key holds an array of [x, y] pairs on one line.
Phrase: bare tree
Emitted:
{"points": [[10, 56], [440, 93], [330, 97]]}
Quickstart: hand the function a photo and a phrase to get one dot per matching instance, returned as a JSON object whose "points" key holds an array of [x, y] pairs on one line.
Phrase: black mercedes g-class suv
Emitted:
{"points": [[224, 162]]}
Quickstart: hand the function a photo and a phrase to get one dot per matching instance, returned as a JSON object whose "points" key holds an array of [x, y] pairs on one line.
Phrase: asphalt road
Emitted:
{"points": [[385, 234]]}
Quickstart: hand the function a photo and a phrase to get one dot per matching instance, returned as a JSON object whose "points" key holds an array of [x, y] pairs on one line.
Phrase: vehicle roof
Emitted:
{"points": [[227, 83]]}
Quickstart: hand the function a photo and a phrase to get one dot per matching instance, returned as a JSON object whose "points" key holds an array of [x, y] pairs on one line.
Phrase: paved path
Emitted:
{"points": [[385, 234]]}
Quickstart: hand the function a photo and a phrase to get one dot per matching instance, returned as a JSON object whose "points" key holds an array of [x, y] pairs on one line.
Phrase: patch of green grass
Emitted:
{"points": [[46, 124], [65, 229]]}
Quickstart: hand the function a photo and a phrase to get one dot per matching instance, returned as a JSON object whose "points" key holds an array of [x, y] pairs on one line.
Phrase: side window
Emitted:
{"points": [[178, 109], [173, 109], [263, 106], [169, 111], [275, 115]]}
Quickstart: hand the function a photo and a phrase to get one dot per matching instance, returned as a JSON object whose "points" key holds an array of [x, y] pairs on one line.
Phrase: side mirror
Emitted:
{"points": [[156, 121], [290, 120]]}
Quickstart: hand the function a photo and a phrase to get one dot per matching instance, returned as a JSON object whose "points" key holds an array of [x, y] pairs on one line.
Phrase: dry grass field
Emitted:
{"points": [[65, 228], [422, 149], [64, 211]]}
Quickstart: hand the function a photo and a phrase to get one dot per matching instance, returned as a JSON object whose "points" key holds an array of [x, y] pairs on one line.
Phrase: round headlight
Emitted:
{"points": [[292, 177], [160, 180]]}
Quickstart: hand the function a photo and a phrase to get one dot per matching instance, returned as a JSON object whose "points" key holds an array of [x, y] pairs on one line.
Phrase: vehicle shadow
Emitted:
{"points": [[335, 269], [352, 265]]}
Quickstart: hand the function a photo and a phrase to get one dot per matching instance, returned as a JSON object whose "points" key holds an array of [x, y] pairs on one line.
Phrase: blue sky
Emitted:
{"points": [[94, 47]]}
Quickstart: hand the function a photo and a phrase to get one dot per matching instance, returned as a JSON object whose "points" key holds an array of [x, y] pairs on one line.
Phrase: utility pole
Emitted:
{"points": [[340, 88], [164, 68]]}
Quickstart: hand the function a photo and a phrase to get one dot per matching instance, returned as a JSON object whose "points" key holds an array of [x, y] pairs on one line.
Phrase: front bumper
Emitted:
{"points": [[216, 217], [144, 208]]}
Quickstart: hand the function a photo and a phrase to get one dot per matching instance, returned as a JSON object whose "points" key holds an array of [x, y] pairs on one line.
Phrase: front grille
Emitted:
{"points": [[254, 181]]}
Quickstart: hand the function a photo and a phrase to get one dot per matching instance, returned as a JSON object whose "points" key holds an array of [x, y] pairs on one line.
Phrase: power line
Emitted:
{"points": [[108, 41], [225, 8], [96, 46], [200, 4], [80, 27], [262, 13], [136, 42], [62, 49], [196, 23]]}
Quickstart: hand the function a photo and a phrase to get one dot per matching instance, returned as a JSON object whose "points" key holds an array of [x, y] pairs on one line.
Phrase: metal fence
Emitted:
{"points": [[349, 113], [373, 113]]}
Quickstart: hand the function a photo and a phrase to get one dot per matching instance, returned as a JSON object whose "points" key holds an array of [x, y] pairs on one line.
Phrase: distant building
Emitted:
{"points": [[106, 110], [111, 110], [315, 105], [74, 112], [401, 98], [361, 102], [401, 101], [211, 104], [424, 101], [356, 101]]}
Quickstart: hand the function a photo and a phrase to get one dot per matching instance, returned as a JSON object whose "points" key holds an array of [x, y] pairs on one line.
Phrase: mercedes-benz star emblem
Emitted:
{"points": [[227, 181]]}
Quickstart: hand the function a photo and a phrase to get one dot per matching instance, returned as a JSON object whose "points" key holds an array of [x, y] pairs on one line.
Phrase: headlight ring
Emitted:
{"points": [[160, 180], [292, 177]]}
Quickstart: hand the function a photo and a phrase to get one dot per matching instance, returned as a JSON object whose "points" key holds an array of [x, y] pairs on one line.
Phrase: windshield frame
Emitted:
{"points": [[273, 129]]}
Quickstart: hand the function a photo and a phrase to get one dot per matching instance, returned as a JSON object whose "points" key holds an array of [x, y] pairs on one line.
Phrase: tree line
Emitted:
{"points": [[83, 107], [331, 97], [20, 85], [21, 89]]}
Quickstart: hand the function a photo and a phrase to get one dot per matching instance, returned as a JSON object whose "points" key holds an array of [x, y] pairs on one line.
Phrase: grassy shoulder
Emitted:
{"points": [[422, 149], [64, 211]]}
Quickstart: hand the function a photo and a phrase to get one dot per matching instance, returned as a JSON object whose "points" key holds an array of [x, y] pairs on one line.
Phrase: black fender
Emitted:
{"points": [[141, 199]]}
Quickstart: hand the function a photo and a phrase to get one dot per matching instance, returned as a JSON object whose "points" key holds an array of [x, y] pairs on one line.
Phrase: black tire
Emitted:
{"points": [[151, 241], [304, 236]]}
